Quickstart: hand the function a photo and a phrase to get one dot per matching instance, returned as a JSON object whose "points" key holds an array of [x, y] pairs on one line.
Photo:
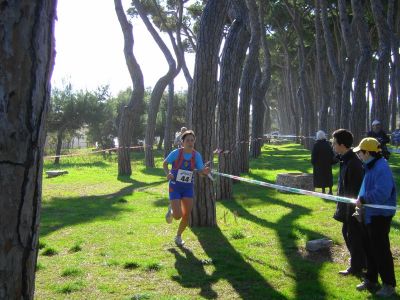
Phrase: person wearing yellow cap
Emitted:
{"points": [[378, 187]]}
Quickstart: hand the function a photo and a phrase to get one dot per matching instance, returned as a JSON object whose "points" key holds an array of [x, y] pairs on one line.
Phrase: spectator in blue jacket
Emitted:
{"points": [[378, 187]]}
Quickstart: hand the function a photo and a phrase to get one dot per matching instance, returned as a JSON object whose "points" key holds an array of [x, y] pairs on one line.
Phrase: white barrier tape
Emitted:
{"points": [[303, 192], [277, 136], [391, 150]]}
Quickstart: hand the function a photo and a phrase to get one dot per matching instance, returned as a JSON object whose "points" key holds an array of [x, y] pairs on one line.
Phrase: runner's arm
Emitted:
{"points": [[167, 171]]}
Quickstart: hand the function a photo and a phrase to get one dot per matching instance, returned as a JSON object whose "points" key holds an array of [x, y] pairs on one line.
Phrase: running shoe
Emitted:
{"points": [[169, 216], [178, 241]]}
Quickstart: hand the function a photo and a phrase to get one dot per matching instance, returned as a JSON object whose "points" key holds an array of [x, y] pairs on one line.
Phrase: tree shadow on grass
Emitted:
{"points": [[192, 273], [231, 266], [62, 212], [154, 171], [305, 269]]}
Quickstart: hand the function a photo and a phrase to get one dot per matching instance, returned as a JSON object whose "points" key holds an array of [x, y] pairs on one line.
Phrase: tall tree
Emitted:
{"points": [[333, 63], [26, 64], [349, 62], [131, 112], [382, 67], [160, 86], [168, 132], [392, 18], [358, 108], [233, 56], [322, 86], [246, 85], [204, 102], [260, 87], [308, 112]]}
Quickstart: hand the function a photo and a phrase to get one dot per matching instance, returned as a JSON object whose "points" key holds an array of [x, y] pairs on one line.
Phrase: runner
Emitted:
{"points": [[184, 161]]}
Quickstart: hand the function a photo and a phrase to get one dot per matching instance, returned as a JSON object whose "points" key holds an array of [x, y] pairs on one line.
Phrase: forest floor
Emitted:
{"points": [[104, 237]]}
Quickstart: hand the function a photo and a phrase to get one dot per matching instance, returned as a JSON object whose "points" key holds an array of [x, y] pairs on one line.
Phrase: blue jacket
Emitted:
{"points": [[378, 187]]}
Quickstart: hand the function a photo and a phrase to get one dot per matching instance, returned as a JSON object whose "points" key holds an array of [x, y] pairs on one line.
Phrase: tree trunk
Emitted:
{"points": [[158, 89], [371, 90], [323, 92], [303, 93], [357, 121], [348, 63], [246, 85], [26, 64], [393, 99], [168, 133], [382, 68], [233, 56], [257, 122], [186, 73], [260, 103], [60, 134], [394, 64], [333, 63], [204, 102], [130, 113], [296, 106]]}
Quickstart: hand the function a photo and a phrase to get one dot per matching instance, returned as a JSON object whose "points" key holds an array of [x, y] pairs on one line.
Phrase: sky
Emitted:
{"points": [[89, 48]]}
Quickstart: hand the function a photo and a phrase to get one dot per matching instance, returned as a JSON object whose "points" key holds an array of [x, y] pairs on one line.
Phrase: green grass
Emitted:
{"points": [[112, 240]]}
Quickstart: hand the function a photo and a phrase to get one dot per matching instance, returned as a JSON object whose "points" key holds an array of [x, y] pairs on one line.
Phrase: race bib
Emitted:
{"points": [[184, 176]]}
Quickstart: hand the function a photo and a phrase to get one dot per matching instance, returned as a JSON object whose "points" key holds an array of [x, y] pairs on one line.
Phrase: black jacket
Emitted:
{"points": [[322, 158], [381, 136], [349, 183]]}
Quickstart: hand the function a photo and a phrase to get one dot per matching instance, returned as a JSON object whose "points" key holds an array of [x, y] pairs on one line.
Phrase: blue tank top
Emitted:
{"points": [[182, 169]]}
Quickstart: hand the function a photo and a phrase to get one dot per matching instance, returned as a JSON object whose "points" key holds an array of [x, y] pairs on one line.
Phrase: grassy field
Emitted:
{"points": [[104, 237]]}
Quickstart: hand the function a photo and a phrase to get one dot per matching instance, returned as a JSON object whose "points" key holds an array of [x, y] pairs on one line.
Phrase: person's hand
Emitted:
{"points": [[358, 203], [170, 176], [206, 170]]}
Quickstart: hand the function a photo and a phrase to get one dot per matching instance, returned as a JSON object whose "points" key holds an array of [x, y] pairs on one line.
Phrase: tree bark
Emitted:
{"points": [[168, 133], [303, 93], [382, 68], [349, 62], [333, 63], [246, 85], [358, 117], [394, 66], [323, 92], [204, 102], [60, 134], [233, 56], [259, 102], [130, 113], [26, 63]]}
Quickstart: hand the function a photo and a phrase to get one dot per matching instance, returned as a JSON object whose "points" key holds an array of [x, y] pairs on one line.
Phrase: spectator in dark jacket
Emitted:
{"points": [[380, 135], [322, 158], [349, 183]]}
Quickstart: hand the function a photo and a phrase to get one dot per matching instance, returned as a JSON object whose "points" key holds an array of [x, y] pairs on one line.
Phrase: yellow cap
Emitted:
{"points": [[368, 144]]}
